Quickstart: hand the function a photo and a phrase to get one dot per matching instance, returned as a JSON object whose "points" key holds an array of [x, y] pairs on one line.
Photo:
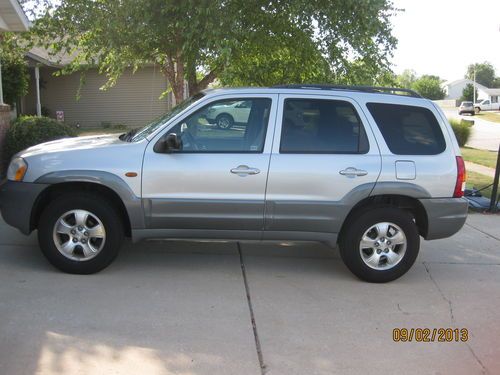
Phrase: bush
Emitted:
{"points": [[28, 131], [462, 130]]}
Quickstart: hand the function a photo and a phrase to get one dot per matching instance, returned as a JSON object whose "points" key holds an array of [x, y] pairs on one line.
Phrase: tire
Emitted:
{"points": [[359, 224], [101, 236], [477, 110], [224, 121]]}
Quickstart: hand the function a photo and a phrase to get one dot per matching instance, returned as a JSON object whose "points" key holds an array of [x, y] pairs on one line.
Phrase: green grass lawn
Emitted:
{"points": [[489, 116], [478, 181], [483, 157]]}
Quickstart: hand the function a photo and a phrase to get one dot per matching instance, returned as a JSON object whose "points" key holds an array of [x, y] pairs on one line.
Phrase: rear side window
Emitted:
{"points": [[408, 130], [318, 126]]}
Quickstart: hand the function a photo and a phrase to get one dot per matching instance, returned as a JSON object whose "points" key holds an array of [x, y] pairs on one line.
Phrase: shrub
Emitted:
{"points": [[462, 130], [28, 131]]}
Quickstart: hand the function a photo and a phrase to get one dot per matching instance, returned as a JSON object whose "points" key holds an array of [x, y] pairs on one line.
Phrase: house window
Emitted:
{"points": [[494, 99]]}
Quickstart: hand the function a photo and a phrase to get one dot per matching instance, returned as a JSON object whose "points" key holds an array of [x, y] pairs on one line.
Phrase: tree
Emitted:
{"points": [[406, 79], [485, 73], [429, 86], [15, 77], [468, 93], [239, 41]]}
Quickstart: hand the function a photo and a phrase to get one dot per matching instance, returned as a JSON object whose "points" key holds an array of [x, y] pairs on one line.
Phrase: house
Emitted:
{"points": [[77, 98], [12, 18], [454, 89]]}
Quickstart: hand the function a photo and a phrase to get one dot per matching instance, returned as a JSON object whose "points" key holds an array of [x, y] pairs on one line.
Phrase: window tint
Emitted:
{"points": [[321, 126], [226, 126], [408, 130]]}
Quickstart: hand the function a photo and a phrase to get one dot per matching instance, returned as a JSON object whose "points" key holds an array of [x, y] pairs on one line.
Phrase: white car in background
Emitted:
{"points": [[225, 116], [486, 105]]}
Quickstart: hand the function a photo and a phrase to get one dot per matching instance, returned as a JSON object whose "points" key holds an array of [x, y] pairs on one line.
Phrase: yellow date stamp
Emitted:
{"points": [[430, 334]]}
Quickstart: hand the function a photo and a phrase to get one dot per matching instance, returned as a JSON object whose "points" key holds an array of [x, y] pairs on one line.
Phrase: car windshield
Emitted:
{"points": [[467, 104], [137, 135]]}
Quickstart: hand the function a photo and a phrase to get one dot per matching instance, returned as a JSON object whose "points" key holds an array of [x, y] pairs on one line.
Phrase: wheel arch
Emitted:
{"points": [[57, 189], [407, 203], [225, 114]]}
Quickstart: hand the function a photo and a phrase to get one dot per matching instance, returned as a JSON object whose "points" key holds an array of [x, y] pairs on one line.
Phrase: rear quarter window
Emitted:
{"points": [[408, 130]]}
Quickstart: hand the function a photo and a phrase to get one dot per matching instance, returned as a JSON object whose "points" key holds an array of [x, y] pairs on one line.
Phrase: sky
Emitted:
{"points": [[442, 37]]}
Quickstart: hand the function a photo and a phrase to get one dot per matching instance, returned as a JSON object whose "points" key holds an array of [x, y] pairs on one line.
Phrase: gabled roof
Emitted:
{"points": [[487, 90], [12, 16], [45, 57]]}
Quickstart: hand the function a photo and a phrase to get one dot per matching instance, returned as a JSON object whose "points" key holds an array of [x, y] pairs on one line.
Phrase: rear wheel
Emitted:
{"points": [[477, 110], [80, 233], [380, 244]]}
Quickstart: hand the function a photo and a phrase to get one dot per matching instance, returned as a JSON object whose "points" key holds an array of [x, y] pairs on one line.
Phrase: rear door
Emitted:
{"points": [[324, 158]]}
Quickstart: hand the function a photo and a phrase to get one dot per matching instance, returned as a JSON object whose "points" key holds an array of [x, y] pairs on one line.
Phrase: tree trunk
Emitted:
{"points": [[174, 71]]}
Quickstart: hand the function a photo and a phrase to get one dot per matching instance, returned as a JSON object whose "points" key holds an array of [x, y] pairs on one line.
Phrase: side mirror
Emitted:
{"points": [[167, 144]]}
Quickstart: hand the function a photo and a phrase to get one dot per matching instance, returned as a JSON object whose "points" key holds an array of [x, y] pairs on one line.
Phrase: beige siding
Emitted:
{"points": [[133, 101]]}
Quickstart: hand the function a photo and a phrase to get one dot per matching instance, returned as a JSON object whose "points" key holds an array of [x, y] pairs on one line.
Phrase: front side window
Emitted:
{"points": [[318, 126], [408, 130], [232, 125]]}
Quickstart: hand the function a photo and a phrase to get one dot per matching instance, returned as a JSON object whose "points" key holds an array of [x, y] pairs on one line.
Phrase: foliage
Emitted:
{"points": [[28, 131], [462, 130], [485, 73], [242, 42], [468, 93], [406, 79], [15, 77], [429, 87]]}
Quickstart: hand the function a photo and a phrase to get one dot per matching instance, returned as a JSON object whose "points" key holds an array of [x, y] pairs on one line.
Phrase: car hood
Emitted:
{"points": [[72, 144]]}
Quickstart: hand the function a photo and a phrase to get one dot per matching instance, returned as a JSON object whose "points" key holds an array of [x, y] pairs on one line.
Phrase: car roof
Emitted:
{"points": [[362, 93]]}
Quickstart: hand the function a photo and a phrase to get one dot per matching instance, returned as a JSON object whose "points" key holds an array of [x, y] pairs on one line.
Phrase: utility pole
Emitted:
{"points": [[474, 88]]}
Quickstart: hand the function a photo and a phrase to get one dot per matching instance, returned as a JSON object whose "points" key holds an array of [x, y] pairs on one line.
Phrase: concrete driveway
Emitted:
{"points": [[219, 308]]}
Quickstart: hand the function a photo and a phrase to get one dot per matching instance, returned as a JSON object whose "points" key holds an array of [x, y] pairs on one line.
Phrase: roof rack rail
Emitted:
{"points": [[368, 89]]}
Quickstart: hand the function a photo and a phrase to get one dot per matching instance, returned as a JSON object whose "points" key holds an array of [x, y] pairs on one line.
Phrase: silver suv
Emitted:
{"points": [[370, 169]]}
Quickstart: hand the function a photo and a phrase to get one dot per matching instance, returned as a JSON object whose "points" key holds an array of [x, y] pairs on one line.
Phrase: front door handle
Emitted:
{"points": [[244, 170], [352, 172]]}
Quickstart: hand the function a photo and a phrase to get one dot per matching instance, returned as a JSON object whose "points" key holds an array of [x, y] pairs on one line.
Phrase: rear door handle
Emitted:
{"points": [[352, 172], [244, 170]]}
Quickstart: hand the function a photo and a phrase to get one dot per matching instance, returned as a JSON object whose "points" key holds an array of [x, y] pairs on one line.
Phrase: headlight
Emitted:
{"points": [[17, 169]]}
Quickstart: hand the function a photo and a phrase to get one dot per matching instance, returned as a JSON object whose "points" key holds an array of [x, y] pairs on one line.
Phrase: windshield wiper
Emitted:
{"points": [[127, 137]]}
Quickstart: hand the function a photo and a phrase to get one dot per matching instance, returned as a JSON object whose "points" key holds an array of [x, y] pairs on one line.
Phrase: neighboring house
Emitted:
{"points": [[133, 101], [13, 19], [454, 89]]}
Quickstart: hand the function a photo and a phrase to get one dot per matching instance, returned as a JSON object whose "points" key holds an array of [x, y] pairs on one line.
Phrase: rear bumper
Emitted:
{"points": [[445, 216], [16, 203]]}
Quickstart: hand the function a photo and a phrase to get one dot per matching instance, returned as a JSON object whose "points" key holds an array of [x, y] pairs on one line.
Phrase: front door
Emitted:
{"points": [[324, 158], [216, 181]]}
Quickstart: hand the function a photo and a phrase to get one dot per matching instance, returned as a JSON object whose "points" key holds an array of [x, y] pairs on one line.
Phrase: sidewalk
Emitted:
{"points": [[487, 171]]}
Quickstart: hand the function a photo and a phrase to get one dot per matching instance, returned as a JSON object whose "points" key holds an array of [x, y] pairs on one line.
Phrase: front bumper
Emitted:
{"points": [[16, 203], [445, 216]]}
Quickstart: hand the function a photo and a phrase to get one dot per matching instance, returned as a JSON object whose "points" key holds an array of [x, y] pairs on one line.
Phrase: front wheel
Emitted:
{"points": [[224, 121], [380, 244], [80, 233]]}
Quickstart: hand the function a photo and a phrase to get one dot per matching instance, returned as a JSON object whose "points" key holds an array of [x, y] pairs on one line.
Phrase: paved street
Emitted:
{"points": [[485, 134], [183, 308]]}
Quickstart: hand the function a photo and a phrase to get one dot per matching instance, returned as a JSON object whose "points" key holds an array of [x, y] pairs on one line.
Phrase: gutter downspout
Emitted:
{"points": [[38, 103]]}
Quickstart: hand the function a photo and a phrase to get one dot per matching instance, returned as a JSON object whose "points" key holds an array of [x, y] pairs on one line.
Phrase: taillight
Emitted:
{"points": [[461, 178]]}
